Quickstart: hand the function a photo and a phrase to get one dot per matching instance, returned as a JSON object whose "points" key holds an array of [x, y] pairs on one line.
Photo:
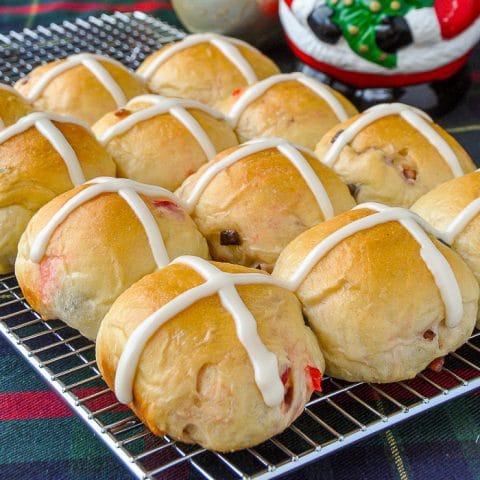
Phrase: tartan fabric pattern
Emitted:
{"points": [[18, 14]]}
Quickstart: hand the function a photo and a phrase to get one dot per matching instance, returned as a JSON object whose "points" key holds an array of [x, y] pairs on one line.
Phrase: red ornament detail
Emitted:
{"points": [[269, 7], [455, 16], [315, 376], [366, 80], [289, 3]]}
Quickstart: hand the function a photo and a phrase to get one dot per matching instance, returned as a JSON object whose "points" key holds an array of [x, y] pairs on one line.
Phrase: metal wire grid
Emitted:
{"points": [[128, 38], [343, 414]]}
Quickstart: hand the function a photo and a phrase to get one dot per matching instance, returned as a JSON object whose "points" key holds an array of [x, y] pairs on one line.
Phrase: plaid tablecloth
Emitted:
{"points": [[40, 438]]}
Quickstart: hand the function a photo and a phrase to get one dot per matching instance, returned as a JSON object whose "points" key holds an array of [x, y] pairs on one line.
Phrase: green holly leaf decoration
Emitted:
{"points": [[359, 18]]}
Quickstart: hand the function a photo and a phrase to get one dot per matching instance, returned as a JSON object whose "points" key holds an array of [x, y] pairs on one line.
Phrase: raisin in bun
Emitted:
{"points": [[41, 156], [12, 106], [85, 247], [210, 353], [206, 67], [252, 200], [453, 208], [84, 86], [384, 297], [163, 140], [292, 106], [392, 153]]}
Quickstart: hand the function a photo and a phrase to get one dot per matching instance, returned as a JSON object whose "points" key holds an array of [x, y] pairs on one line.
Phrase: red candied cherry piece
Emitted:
{"points": [[315, 376], [437, 364]]}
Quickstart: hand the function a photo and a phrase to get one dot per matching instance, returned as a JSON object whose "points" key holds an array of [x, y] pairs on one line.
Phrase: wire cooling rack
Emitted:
{"points": [[343, 414]]}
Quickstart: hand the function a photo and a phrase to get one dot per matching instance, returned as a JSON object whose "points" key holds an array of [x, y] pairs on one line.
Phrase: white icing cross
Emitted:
{"points": [[177, 107], [129, 190], [92, 63], [43, 122], [416, 118], [264, 362], [434, 260], [255, 91], [292, 152], [227, 45], [461, 220]]}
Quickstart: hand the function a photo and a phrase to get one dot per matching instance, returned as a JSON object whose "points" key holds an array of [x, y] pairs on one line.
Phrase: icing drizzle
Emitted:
{"points": [[227, 45], [290, 151], [434, 260], [415, 117], [129, 190], [218, 282], [255, 91], [43, 122], [458, 224], [177, 108], [92, 63]]}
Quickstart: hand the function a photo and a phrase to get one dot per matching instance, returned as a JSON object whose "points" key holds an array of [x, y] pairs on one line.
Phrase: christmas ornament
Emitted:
{"points": [[382, 43]]}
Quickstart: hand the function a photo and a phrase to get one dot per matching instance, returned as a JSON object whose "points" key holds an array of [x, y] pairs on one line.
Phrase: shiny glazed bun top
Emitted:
{"points": [[41, 156], [392, 153], [292, 106], [384, 297], [12, 106], [163, 140], [252, 200], [210, 353], [206, 67], [84, 248], [84, 86], [453, 208]]}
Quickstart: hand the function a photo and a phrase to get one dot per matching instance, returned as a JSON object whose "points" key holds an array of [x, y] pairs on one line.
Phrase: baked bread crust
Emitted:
{"points": [[12, 106], [77, 92], [391, 162], [194, 379], [443, 204], [96, 253], [288, 109], [32, 172], [161, 150], [263, 198], [373, 303], [202, 72]]}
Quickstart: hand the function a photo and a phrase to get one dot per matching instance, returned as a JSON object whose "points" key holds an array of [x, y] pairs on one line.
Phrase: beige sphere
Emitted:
{"points": [[372, 301], [250, 210], [75, 90], [389, 160], [442, 205], [194, 380], [150, 144], [32, 172], [286, 106], [199, 70], [96, 253], [12, 106]]}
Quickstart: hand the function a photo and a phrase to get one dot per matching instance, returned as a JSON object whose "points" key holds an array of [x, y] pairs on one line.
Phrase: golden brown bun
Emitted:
{"points": [[391, 162], [161, 150], [77, 92], [440, 206], [265, 200], [32, 173], [371, 300], [95, 254], [288, 110], [201, 72], [12, 107], [194, 379]]}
